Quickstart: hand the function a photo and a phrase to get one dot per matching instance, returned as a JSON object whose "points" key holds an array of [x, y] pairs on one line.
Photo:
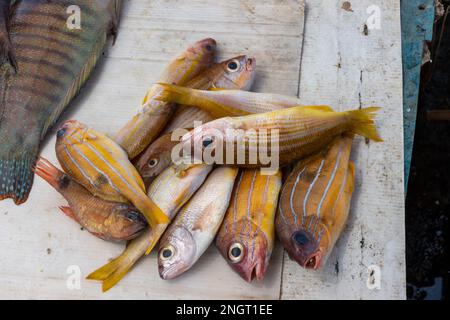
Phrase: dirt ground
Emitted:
{"points": [[428, 198]]}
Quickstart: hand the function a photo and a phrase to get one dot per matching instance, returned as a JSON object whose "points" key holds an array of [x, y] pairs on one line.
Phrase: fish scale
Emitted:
{"points": [[53, 62]]}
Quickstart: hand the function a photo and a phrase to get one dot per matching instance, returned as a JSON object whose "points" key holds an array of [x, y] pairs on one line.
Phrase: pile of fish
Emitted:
{"points": [[128, 186]]}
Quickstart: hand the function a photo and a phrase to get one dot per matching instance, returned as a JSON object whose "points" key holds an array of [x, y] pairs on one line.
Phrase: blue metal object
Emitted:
{"points": [[417, 26]]}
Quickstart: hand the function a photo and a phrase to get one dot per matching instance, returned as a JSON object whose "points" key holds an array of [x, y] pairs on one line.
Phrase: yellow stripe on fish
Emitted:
{"points": [[247, 235], [102, 167], [315, 202]]}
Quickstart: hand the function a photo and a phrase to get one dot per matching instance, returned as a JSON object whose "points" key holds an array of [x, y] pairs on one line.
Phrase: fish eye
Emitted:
{"points": [[233, 66], [152, 163], [207, 142], [167, 253], [300, 238], [61, 132], [236, 252], [208, 48]]}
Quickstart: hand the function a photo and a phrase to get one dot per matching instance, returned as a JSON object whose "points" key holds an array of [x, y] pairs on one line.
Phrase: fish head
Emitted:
{"points": [[70, 128], [238, 73], [202, 51], [156, 158], [208, 138], [126, 222], [307, 244], [247, 252], [177, 253]]}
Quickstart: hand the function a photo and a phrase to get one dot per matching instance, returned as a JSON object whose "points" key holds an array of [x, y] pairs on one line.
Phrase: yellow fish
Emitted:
{"points": [[287, 134], [145, 126], [247, 235], [315, 203], [170, 192], [101, 166]]}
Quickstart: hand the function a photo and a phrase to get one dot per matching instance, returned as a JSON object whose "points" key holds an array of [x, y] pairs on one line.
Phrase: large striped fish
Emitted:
{"points": [[287, 135], [237, 73], [101, 166], [196, 225], [111, 221], [247, 235], [315, 202], [153, 115], [170, 192], [49, 62]]}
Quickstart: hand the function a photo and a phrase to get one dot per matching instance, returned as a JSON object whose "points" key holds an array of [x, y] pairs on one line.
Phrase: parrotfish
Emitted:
{"points": [[246, 237], [235, 73], [286, 135], [153, 116], [315, 203], [101, 166], [170, 192], [196, 225], [111, 221], [45, 59]]}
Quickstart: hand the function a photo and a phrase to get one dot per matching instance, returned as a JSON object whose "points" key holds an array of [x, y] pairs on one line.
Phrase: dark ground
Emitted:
{"points": [[428, 198]]}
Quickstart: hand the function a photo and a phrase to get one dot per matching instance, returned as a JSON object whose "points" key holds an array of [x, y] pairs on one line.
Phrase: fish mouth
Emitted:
{"points": [[172, 272], [313, 261], [256, 271]]}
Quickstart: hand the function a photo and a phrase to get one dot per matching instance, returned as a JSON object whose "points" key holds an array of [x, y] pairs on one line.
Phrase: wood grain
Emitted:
{"points": [[348, 65], [39, 244]]}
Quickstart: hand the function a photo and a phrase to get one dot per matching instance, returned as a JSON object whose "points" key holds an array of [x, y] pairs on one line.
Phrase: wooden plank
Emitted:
{"points": [[40, 244], [417, 27], [347, 64]]}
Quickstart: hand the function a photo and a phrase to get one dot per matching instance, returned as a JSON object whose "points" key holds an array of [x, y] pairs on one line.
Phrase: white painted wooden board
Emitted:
{"points": [[343, 67], [39, 243]]}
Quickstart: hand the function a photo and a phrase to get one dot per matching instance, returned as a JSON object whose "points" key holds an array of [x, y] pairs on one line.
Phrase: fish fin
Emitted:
{"points": [[216, 89], [151, 211], [175, 94], [155, 235], [47, 171], [16, 175], [320, 108], [68, 212], [112, 272], [362, 122]]}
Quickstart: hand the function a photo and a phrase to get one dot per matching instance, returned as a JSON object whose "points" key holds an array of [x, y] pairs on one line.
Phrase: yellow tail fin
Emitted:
{"points": [[174, 94], [112, 272], [151, 211], [362, 122]]}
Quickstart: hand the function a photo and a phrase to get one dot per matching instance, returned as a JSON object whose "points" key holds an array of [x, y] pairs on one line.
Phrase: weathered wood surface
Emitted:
{"points": [[349, 64], [39, 244]]}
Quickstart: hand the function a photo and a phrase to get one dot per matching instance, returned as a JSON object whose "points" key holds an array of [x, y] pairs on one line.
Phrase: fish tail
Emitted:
{"points": [[151, 211], [16, 175], [47, 171], [112, 272], [362, 122], [176, 94]]}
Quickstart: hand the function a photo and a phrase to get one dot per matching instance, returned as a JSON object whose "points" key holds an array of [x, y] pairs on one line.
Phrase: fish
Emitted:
{"points": [[288, 135], [156, 158], [222, 103], [50, 63], [196, 225], [315, 203], [170, 192], [153, 115], [103, 168], [246, 237], [237, 72], [110, 221]]}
